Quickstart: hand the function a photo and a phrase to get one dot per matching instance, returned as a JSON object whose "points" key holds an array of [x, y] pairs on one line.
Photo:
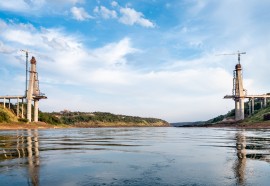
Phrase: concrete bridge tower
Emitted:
{"points": [[33, 92], [238, 92]]}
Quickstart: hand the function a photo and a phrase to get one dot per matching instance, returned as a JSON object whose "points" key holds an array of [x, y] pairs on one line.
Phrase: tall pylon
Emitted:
{"points": [[238, 92], [33, 92]]}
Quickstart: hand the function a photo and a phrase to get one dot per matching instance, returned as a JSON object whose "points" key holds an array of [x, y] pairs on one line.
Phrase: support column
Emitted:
{"points": [[264, 102], [29, 110], [252, 105], [249, 107], [9, 103], [4, 102], [18, 107], [35, 110], [242, 109], [261, 104], [22, 108], [237, 109]]}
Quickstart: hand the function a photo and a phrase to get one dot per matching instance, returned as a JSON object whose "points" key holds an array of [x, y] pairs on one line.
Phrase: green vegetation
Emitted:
{"points": [[7, 115], [98, 119], [81, 119], [49, 118], [216, 119], [259, 115]]}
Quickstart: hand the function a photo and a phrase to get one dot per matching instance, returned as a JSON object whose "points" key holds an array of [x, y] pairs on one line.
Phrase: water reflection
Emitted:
{"points": [[240, 164], [24, 146], [135, 156], [249, 147]]}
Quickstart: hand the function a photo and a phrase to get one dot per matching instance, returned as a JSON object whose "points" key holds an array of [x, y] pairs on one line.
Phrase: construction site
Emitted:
{"points": [[32, 94], [27, 104], [239, 94]]}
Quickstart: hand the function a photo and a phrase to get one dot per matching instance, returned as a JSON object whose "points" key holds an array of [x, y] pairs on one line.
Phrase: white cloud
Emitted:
{"points": [[5, 49], [131, 17], [128, 16], [66, 1], [14, 5], [38, 7], [80, 14], [105, 12], [114, 53], [20, 36], [114, 4]]}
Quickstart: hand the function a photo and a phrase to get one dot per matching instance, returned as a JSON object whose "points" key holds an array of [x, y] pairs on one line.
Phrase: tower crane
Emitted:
{"points": [[26, 69], [237, 73], [237, 53]]}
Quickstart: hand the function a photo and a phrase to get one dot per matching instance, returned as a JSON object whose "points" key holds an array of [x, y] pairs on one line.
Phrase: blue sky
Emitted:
{"points": [[153, 58]]}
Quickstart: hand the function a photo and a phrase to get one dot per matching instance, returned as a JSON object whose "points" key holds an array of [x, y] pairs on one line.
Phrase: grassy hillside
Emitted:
{"points": [[99, 119], [260, 114], [83, 119], [7, 115]]}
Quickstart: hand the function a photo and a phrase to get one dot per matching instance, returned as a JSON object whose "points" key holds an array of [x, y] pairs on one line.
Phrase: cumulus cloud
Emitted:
{"points": [[105, 12], [127, 16], [131, 17], [114, 53], [80, 14]]}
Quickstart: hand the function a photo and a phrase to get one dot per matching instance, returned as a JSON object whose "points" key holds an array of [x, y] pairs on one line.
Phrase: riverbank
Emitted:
{"points": [[242, 125], [32, 125], [43, 125]]}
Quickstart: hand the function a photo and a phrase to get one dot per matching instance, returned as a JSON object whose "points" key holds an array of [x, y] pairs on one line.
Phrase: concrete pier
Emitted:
{"points": [[35, 110], [22, 114], [249, 107], [18, 107], [252, 105], [241, 109]]}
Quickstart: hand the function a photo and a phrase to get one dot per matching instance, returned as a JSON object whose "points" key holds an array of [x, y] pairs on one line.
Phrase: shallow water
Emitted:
{"points": [[135, 156]]}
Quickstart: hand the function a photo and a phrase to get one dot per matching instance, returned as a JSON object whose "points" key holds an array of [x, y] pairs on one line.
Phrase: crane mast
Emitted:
{"points": [[26, 69]]}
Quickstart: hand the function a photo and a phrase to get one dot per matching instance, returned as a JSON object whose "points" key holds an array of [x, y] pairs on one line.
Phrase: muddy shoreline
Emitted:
{"points": [[32, 125], [43, 125], [241, 125]]}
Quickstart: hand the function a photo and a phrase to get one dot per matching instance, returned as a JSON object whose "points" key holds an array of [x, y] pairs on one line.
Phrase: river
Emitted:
{"points": [[135, 156]]}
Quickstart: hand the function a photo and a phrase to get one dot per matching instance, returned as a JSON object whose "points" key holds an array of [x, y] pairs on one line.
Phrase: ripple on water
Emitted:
{"points": [[135, 156]]}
